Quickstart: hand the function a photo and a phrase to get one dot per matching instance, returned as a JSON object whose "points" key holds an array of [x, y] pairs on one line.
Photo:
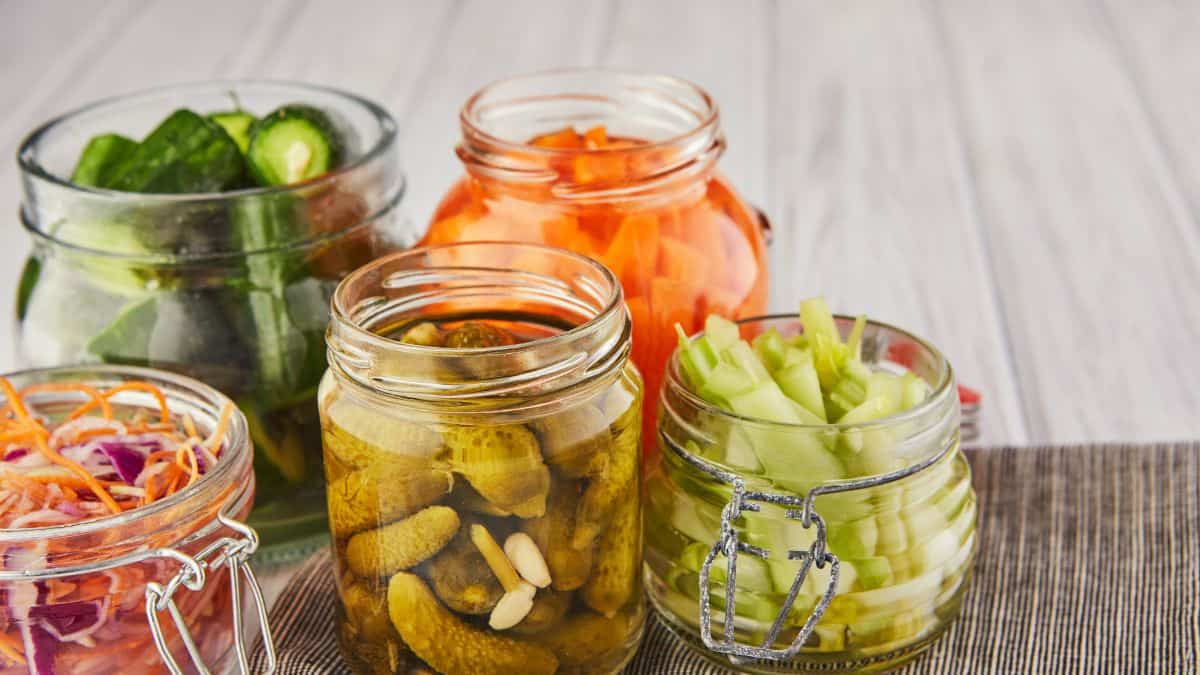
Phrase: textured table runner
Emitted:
{"points": [[1089, 562]]}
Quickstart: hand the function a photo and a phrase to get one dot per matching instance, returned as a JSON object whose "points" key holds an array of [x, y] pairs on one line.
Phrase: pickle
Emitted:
{"points": [[575, 442], [599, 502], [366, 611], [549, 607], [356, 437], [466, 498], [618, 555], [569, 567], [585, 638], [403, 544], [425, 334], [381, 493], [461, 577], [375, 658], [477, 335], [504, 464], [448, 645]]}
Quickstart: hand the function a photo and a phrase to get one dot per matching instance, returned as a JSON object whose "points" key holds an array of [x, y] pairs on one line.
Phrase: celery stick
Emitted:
{"points": [[742, 355], [854, 539], [800, 383], [854, 340], [721, 332], [724, 381], [915, 390], [771, 349]]}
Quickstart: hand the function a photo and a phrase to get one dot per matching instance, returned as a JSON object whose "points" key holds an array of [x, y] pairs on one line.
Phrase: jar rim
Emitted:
{"points": [[940, 391], [707, 118], [343, 318], [237, 444], [28, 163]]}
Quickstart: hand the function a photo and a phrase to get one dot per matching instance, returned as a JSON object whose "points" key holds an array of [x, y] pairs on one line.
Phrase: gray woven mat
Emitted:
{"points": [[1089, 563]]}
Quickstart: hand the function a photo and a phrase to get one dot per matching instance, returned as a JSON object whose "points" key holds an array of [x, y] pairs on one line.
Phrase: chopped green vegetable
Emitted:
{"points": [[293, 144], [237, 124], [99, 157], [185, 154]]}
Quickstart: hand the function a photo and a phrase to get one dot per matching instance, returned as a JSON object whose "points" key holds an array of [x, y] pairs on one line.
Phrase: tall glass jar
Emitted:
{"points": [[231, 288], [77, 596], [484, 501], [620, 167], [888, 504]]}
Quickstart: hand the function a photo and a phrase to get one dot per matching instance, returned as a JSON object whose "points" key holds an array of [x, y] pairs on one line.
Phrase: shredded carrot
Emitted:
{"points": [[96, 397], [133, 385], [189, 426], [12, 648], [214, 441]]}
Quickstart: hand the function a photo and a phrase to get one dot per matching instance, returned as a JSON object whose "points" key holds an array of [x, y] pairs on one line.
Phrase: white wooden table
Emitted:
{"points": [[1018, 181]]}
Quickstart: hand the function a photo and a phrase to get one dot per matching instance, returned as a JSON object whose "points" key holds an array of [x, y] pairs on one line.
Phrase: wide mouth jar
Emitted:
{"points": [[76, 594], [187, 227], [888, 501]]}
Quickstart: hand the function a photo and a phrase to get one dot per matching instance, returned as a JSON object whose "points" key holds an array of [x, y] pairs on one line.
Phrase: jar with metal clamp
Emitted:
{"points": [[160, 587], [853, 563]]}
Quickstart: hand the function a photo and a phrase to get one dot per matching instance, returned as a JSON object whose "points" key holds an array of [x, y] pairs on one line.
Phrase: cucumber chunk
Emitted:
{"points": [[98, 158], [185, 154], [293, 144], [237, 124]]}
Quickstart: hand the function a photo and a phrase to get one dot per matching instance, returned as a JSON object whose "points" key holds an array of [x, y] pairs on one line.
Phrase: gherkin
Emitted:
{"points": [[449, 645], [569, 566], [618, 559], [366, 611], [477, 335], [598, 504], [403, 544], [461, 577], [356, 437], [503, 463], [575, 442], [549, 607], [582, 640], [383, 492]]}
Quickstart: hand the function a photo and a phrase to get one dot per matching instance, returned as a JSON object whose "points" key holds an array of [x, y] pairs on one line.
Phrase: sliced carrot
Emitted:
{"points": [[12, 648], [217, 438], [96, 397], [595, 138], [565, 139]]}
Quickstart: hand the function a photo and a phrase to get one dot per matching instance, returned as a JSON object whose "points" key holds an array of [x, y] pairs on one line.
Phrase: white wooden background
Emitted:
{"points": [[1018, 181]]}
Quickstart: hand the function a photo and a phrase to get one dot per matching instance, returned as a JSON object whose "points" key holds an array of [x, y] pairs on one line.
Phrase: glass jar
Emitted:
{"points": [[887, 504], [232, 288], [642, 195], [438, 457], [77, 597]]}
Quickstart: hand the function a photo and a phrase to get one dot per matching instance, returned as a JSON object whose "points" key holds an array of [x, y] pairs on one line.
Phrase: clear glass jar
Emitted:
{"points": [[648, 201], [232, 288], [75, 595], [893, 503], [431, 451]]}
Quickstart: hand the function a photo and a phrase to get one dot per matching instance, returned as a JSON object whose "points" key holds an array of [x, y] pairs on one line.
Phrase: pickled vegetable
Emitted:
{"points": [[553, 532], [597, 506], [618, 557], [504, 465], [585, 638], [462, 579], [383, 492], [451, 645], [402, 545]]}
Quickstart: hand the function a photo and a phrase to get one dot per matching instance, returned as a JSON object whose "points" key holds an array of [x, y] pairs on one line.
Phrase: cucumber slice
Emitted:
{"points": [[185, 154], [237, 124], [915, 390], [293, 144], [98, 158], [798, 380]]}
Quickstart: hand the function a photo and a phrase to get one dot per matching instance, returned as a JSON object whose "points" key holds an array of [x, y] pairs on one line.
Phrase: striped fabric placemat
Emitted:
{"points": [[1089, 562]]}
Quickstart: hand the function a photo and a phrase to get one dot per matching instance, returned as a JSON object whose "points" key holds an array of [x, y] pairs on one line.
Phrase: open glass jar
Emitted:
{"points": [[853, 560], [104, 595], [432, 452], [232, 288], [620, 167]]}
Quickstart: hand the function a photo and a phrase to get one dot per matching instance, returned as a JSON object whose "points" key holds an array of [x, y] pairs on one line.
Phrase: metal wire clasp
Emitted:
{"points": [[728, 544], [232, 552]]}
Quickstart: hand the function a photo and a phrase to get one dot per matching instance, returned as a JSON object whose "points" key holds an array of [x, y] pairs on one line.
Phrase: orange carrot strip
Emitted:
{"points": [[192, 466], [88, 479], [14, 400], [132, 385], [12, 648], [214, 442], [189, 426], [96, 397]]}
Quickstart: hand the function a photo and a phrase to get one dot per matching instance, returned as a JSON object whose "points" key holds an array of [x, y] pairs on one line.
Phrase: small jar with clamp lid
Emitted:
{"points": [[833, 547], [123, 546], [482, 430]]}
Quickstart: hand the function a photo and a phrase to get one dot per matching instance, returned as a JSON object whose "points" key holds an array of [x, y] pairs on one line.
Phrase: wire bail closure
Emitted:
{"points": [[232, 552], [798, 508]]}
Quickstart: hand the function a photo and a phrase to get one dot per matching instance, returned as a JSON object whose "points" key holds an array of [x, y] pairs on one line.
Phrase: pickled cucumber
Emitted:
{"points": [[569, 566], [597, 506], [575, 442], [585, 638], [425, 334], [451, 646], [504, 464], [549, 607], [468, 499], [477, 335], [461, 577], [381, 493], [367, 612], [403, 544], [618, 555], [375, 658], [356, 437]]}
